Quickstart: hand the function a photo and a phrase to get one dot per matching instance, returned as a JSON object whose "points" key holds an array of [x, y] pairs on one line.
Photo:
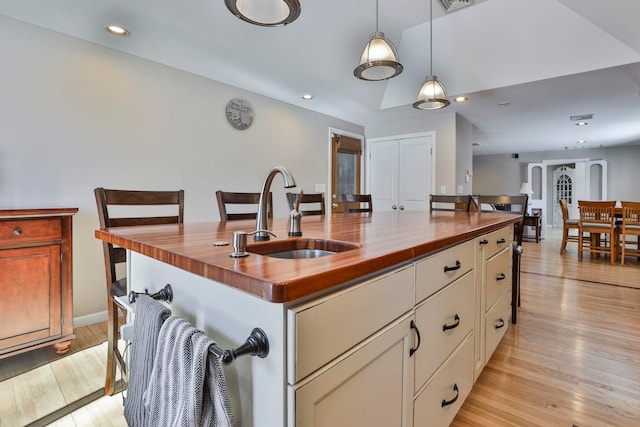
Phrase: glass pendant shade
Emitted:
{"points": [[266, 13], [379, 60], [431, 95]]}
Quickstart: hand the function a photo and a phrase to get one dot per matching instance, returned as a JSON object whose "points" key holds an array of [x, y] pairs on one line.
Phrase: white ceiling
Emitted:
{"points": [[549, 59]]}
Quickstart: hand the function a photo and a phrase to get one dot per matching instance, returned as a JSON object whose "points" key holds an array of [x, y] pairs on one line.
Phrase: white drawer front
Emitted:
{"points": [[495, 241], [499, 278], [443, 321], [325, 328], [428, 409], [496, 323], [435, 272]]}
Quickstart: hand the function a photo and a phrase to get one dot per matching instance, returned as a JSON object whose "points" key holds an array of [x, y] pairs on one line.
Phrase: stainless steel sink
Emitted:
{"points": [[303, 248], [300, 254]]}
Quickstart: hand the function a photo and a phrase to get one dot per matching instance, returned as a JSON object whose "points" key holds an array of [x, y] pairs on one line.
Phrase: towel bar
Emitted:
{"points": [[257, 344], [164, 294]]}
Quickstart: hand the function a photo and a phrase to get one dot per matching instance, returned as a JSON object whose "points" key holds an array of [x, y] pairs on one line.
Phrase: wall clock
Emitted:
{"points": [[239, 113]]}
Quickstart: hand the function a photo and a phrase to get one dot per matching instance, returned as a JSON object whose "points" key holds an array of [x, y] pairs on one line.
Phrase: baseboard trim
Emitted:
{"points": [[89, 319]]}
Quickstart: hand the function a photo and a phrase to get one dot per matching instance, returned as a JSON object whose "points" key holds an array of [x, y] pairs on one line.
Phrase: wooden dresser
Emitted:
{"points": [[36, 286]]}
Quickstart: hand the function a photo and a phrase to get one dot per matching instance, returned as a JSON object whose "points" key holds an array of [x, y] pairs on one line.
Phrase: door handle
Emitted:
{"points": [[401, 207], [394, 207]]}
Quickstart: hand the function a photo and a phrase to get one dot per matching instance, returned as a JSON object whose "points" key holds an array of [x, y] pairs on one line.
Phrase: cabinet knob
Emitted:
{"points": [[17, 231]]}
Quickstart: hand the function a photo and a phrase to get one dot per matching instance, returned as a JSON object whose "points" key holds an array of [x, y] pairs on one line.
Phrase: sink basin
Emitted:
{"points": [[301, 248]]}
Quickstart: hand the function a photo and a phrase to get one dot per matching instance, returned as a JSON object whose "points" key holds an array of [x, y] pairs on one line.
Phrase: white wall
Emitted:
{"points": [[75, 116]]}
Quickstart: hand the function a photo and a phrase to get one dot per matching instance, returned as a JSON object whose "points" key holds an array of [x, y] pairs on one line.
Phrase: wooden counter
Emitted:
{"points": [[388, 239]]}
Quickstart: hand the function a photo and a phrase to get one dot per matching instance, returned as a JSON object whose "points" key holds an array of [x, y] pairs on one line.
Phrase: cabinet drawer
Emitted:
{"points": [[451, 307], [438, 270], [495, 241], [456, 373], [496, 323], [323, 329], [18, 231], [498, 276]]}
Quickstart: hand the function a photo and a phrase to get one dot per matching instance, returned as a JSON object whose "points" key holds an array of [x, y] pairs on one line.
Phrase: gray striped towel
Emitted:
{"points": [[187, 385], [146, 327]]}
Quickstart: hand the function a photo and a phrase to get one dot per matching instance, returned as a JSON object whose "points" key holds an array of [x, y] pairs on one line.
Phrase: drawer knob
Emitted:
{"points": [[500, 276], [457, 267], [500, 324], [17, 231], [413, 326], [446, 327], [452, 401]]}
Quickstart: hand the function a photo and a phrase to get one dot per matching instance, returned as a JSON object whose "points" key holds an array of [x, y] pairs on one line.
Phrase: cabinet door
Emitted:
{"points": [[30, 289], [371, 386]]}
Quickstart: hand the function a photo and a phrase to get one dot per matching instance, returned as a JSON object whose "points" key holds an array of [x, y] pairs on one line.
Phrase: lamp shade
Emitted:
{"points": [[266, 13], [379, 60], [431, 95], [525, 188]]}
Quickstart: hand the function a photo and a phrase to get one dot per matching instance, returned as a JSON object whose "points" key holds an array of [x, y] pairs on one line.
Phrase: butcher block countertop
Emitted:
{"points": [[387, 239]]}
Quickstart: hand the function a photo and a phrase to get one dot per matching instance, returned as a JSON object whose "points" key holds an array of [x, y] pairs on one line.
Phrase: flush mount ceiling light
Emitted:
{"points": [[432, 94], [117, 30], [379, 60], [266, 13]]}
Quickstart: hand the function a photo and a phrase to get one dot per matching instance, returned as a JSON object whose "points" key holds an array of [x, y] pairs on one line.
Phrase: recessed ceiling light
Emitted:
{"points": [[582, 141], [307, 97], [460, 98], [504, 104], [117, 30], [582, 123]]}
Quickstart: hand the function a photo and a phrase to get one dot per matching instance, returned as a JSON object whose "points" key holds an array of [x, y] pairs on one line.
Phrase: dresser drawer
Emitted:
{"points": [[498, 276], [325, 328], [18, 231], [496, 323], [495, 241], [443, 321], [435, 272], [434, 406]]}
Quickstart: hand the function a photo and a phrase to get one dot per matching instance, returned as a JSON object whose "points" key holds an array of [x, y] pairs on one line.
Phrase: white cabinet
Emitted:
{"points": [[493, 293], [400, 173]]}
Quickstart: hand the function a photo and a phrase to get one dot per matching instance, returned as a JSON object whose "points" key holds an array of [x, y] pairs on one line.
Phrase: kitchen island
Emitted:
{"points": [[343, 329]]}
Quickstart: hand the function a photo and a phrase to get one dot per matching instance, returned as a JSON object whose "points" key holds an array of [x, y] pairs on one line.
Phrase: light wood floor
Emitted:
{"points": [[573, 359]]}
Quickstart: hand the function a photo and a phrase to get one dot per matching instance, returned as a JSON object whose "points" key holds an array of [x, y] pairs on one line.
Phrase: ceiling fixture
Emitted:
{"points": [[266, 13], [461, 99], [307, 97], [453, 5], [116, 30], [581, 118], [379, 60], [582, 141], [431, 95], [582, 123]]}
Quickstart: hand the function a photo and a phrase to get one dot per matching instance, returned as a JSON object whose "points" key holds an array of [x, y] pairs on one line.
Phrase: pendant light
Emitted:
{"points": [[379, 60], [431, 95], [266, 13]]}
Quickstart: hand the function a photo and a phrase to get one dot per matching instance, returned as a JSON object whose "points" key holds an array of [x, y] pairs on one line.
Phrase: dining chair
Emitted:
{"points": [[630, 226], [518, 229], [598, 218], [442, 202], [354, 203], [314, 203], [118, 208], [567, 225], [233, 206]]}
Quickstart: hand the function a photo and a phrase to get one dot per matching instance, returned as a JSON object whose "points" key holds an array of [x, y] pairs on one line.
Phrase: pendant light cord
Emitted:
{"points": [[376, 16], [430, 37]]}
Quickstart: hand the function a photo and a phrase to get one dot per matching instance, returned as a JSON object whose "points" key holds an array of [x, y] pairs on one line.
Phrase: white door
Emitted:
{"points": [[564, 181], [400, 173]]}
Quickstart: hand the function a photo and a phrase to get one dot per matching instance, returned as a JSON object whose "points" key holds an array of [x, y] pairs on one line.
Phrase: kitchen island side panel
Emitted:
{"points": [[257, 386]]}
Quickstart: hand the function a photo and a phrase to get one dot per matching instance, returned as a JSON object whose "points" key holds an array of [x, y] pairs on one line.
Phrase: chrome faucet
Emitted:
{"points": [[262, 230]]}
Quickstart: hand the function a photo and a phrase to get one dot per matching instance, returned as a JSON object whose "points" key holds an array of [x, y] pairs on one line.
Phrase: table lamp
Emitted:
{"points": [[525, 188]]}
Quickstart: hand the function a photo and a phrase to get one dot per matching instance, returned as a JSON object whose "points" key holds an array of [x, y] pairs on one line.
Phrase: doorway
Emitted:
{"points": [[346, 168], [563, 178]]}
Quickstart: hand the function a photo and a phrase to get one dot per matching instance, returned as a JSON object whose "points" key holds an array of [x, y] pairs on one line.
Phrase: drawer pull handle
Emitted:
{"points": [[501, 241], [17, 231], [452, 401], [415, 328], [446, 327], [501, 324], [484, 242], [457, 267], [500, 276]]}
